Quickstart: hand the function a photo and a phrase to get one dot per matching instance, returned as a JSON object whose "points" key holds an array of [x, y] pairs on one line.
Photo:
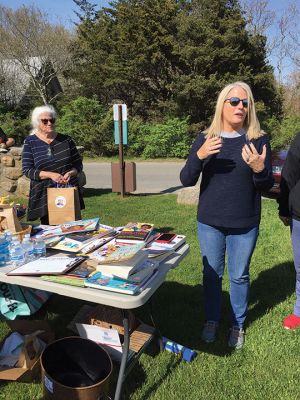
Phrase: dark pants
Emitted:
{"points": [[45, 220], [296, 254]]}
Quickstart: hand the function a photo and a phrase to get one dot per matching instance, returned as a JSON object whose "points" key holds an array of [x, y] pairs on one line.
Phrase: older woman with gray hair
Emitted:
{"points": [[48, 157], [234, 157]]}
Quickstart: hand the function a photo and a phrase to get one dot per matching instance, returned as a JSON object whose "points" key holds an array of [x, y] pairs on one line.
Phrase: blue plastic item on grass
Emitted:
{"points": [[186, 353]]}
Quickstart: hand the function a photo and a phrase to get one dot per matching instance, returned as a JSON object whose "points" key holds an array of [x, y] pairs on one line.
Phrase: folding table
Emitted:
{"points": [[121, 301]]}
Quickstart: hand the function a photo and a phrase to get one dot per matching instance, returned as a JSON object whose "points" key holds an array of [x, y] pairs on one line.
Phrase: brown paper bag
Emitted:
{"points": [[63, 205], [9, 219]]}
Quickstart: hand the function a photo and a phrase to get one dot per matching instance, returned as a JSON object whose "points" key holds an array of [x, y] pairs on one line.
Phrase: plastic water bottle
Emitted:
{"points": [[186, 353], [16, 253], [8, 236], [28, 248], [39, 248], [4, 251]]}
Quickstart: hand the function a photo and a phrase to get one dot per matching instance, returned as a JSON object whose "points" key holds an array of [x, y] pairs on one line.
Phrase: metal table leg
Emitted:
{"points": [[125, 349]]}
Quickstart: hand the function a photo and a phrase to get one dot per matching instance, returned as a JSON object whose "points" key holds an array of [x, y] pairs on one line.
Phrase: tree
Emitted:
{"points": [[39, 49], [216, 49], [126, 52], [169, 58], [282, 32]]}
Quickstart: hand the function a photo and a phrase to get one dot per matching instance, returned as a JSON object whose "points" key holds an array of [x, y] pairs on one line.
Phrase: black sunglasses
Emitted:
{"points": [[235, 101], [46, 120]]}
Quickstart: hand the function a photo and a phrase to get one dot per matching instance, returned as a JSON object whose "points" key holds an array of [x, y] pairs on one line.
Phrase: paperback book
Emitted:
{"points": [[100, 281], [74, 277], [115, 252], [64, 280], [83, 225], [123, 268], [156, 246], [48, 231], [135, 232]]}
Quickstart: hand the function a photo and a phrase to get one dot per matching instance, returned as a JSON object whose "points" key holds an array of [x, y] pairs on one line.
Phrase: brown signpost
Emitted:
{"points": [[123, 174]]}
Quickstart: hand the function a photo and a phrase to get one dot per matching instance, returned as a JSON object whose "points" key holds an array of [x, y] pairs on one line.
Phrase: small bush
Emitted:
{"points": [[89, 124]]}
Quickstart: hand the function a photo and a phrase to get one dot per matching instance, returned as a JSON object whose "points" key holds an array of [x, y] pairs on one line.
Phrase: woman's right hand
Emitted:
{"points": [[211, 146]]}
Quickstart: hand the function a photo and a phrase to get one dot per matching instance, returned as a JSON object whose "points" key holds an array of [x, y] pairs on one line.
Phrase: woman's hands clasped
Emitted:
{"points": [[255, 160], [211, 146], [58, 178]]}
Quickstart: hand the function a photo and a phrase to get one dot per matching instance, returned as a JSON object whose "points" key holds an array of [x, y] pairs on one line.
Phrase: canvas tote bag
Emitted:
{"points": [[63, 205]]}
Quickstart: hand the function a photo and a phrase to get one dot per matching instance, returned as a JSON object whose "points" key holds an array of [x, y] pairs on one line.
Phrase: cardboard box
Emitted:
{"points": [[25, 327], [111, 318]]}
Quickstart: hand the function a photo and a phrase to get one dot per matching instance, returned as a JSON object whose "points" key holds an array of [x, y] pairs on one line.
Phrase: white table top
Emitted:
{"points": [[99, 296]]}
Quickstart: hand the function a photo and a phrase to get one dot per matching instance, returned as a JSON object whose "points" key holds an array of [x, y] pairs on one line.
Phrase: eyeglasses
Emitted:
{"points": [[46, 120], [235, 101]]}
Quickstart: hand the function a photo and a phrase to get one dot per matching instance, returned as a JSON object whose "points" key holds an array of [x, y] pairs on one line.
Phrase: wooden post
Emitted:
{"points": [[121, 158]]}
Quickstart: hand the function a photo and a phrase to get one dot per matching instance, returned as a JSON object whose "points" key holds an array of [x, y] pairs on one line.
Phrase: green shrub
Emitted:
{"points": [[289, 127], [171, 139], [89, 124], [159, 140], [14, 126]]}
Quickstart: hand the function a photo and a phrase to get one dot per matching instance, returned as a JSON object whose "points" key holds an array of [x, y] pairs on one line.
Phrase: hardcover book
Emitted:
{"points": [[135, 232], [100, 281]]}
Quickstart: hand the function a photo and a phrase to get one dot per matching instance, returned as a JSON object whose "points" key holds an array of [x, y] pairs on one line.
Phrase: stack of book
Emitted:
{"points": [[159, 251], [134, 232], [85, 242], [121, 267]]}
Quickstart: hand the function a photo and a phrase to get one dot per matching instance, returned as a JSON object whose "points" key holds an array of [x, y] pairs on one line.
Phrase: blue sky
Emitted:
{"points": [[58, 10], [63, 10]]}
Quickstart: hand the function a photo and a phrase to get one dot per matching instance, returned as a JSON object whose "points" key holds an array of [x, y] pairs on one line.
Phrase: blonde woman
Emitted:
{"points": [[234, 157]]}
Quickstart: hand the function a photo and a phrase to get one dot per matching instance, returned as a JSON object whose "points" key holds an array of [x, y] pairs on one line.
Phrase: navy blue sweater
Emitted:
{"points": [[60, 156], [229, 191]]}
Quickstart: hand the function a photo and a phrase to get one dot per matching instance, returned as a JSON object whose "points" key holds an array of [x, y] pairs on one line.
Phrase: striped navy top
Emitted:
{"points": [[59, 156]]}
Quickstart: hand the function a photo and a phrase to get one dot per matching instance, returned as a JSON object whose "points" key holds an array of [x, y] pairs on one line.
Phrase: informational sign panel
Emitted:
{"points": [[124, 123]]}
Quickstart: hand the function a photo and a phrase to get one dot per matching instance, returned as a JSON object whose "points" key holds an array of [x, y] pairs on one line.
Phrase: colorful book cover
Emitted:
{"points": [[82, 225], [81, 271], [135, 231], [113, 252], [87, 237], [100, 281]]}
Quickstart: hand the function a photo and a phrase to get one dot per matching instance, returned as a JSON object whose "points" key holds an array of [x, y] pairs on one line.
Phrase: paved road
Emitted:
{"points": [[151, 177]]}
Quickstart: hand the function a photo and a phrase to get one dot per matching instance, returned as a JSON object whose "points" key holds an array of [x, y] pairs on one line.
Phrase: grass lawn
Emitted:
{"points": [[268, 365]]}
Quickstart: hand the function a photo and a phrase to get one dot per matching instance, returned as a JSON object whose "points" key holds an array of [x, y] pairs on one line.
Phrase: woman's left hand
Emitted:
{"points": [[255, 160], [67, 175]]}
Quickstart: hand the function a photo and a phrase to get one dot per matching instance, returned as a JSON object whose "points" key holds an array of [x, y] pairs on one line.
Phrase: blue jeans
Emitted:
{"points": [[295, 228], [239, 244]]}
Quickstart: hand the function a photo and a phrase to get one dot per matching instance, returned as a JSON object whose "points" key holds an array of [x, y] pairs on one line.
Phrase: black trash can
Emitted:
{"points": [[74, 368]]}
